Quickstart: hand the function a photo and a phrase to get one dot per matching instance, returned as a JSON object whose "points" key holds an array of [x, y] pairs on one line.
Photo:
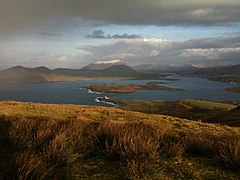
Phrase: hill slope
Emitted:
{"points": [[198, 110], [113, 71], [44, 141], [119, 70], [219, 71], [19, 74], [225, 74]]}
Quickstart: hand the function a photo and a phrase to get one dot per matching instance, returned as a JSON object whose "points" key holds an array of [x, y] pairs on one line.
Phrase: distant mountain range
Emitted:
{"points": [[19, 74], [114, 68], [228, 74], [216, 71], [163, 69]]}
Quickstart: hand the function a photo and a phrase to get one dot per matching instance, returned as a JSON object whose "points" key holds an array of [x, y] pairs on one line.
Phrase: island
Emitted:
{"points": [[234, 89], [130, 88]]}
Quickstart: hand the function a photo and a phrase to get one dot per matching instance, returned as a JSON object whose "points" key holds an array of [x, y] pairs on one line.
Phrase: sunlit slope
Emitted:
{"points": [[53, 141], [68, 111], [224, 113]]}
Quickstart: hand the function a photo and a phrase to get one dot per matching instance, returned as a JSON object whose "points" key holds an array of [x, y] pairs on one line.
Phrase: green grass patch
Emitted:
{"points": [[210, 105]]}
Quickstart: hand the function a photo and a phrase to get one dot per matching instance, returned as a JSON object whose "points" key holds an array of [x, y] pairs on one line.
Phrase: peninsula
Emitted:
{"points": [[234, 89]]}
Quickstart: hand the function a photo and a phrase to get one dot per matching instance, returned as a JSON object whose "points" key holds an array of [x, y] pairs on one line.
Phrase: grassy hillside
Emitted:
{"points": [[44, 141], [208, 105], [224, 113]]}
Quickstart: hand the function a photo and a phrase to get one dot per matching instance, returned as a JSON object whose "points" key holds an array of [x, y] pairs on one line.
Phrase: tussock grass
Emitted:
{"points": [[227, 150], [183, 171], [29, 166], [72, 148], [135, 144], [200, 144], [173, 145], [45, 148]]}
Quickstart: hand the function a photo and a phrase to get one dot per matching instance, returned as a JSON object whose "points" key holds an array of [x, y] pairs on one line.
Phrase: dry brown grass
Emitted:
{"points": [[227, 149], [173, 145], [199, 143], [183, 171], [50, 148], [135, 144], [30, 166]]}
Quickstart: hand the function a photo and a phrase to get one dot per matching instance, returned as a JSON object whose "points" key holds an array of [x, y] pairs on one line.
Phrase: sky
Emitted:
{"points": [[74, 33]]}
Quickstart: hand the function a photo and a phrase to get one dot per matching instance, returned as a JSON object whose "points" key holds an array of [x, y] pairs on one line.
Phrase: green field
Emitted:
{"points": [[210, 105]]}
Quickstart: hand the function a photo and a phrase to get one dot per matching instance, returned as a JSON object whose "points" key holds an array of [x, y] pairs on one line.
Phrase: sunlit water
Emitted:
{"points": [[74, 93]]}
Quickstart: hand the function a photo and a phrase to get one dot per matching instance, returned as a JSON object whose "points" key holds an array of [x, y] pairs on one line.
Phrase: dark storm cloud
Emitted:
{"points": [[17, 15], [99, 34], [20, 19], [157, 12]]}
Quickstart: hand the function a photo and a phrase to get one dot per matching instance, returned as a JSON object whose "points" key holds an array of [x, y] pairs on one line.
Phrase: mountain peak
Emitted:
{"points": [[100, 65], [41, 69], [18, 67], [117, 61]]}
